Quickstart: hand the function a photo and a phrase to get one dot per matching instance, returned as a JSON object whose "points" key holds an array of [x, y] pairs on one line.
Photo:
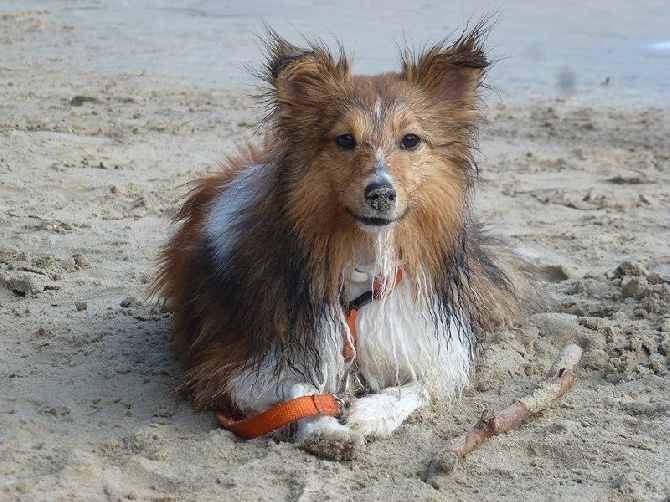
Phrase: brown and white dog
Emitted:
{"points": [[357, 201]]}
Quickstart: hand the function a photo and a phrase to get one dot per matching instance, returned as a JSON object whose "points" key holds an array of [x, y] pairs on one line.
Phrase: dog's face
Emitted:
{"points": [[377, 150], [377, 153]]}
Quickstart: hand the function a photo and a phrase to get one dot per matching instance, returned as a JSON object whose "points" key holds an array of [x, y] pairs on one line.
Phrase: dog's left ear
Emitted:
{"points": [[451, 73]]}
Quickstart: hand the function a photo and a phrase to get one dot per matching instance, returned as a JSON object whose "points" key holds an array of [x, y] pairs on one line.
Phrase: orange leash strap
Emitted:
{"points": [[280, 415], [350, 341], [378, 292]]}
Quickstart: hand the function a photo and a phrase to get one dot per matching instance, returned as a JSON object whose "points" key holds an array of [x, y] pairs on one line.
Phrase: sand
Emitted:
{"points": [[92, 167]]}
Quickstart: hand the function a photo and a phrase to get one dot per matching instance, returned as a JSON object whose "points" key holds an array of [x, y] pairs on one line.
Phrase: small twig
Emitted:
{"points": [[558, 381]]}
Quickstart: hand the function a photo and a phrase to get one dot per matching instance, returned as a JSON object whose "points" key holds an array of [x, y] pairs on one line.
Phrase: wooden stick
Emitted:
{"points": [[558, 381]]}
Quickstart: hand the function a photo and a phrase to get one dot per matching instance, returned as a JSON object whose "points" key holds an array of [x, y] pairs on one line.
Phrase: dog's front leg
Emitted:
{"points": [[378, 415], [325, 436]]}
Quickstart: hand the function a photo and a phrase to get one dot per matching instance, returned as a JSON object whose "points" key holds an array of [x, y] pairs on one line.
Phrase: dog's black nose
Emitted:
{"points": [[380, 196]]}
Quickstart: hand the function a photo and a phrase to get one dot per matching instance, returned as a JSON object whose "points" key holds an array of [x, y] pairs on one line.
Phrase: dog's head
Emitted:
{"points": [[376, 151]]}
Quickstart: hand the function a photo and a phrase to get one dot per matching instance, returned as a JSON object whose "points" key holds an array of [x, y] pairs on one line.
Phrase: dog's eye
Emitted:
{"points": [[346, 141], [410, 141]]}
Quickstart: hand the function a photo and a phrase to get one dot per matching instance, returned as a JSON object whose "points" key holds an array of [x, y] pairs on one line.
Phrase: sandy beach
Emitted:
{"points": [[93, 163]]}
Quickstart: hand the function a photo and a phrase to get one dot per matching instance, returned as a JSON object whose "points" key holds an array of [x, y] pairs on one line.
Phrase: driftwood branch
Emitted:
{"points": [[558, 381]]}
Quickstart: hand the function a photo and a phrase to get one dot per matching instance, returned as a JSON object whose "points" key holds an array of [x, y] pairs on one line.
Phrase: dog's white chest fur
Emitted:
{"points": [[400, 338]]}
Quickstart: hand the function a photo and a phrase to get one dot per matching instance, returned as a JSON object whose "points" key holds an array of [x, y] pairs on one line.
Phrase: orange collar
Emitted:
{"points": [[296, 409]]}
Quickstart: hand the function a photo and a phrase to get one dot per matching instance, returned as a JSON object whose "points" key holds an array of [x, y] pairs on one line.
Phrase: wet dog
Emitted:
{"points": [[333, 279]]}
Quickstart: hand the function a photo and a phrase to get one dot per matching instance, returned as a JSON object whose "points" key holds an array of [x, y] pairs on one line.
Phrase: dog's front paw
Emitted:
{"points": [[378, 415], [334, 445], [327, 438]]}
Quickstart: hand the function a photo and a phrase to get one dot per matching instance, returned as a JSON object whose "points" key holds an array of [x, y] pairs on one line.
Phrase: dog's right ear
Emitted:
{"points": [[302, 77]]}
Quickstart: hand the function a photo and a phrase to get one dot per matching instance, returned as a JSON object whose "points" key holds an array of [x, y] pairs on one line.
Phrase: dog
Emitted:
{"points": [[332, 280]]}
